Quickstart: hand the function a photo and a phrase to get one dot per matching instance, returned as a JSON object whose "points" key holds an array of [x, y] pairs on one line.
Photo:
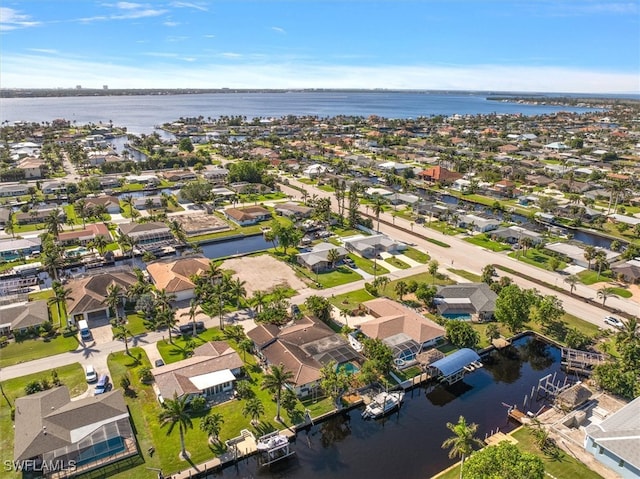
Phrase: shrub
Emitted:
{"points": [[144, 374], [3, 341], [371, 289], [33, 387], [244, 391], [198, 404], [576, 339]]}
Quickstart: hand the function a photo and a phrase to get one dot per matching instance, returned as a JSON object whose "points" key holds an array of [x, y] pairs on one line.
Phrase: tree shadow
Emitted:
{"points": [[264, 427]]}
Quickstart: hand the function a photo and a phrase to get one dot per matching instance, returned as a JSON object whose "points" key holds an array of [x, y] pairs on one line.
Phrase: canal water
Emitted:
{"points": [[247, 244], [407, 444]]}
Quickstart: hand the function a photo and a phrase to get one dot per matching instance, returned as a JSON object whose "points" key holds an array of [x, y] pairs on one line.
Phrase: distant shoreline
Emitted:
{"points": [[527, 97]]}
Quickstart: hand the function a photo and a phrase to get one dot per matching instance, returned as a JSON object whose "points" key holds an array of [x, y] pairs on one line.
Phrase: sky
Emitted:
{"points": [[581, 46]]}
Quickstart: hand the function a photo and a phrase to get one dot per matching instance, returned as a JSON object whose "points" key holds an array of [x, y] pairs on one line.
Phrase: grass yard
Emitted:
{"points": [[474, 278], [589, 277], [340, 275], [484, 242], [536, 257], [417, 255], [29, 349], [397, 263], [178, 350], [135, 324], [367, 265], [622, 292], [71, 375], [350, 300]]}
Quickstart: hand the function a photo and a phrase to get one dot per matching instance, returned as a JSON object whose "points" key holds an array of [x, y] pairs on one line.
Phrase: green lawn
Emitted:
{"points": [[351, 300], [589, 277], [622, 292], [71, 375], [340, 275], [474, 278], [135, 324], [563, 466], [178, 351], [417, 255], [535, 257], [397, 263], [368, 266], [484, 242], [29, 349]]}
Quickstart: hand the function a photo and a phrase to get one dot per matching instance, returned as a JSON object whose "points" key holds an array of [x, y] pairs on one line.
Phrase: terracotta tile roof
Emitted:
{"points": [[175, 276], [89, 232], [89, 293], [439, 173]]}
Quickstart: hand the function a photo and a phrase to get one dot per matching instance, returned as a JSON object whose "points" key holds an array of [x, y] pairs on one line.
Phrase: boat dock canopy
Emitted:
{"points": [[455, 362]]}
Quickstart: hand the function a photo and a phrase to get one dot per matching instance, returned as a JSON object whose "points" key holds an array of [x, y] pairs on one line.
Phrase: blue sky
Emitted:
{"points": [[512, 45]]}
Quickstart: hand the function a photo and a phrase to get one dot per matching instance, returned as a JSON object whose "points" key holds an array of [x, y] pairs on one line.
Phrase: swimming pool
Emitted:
{"points": [[457, 317], [349, 368]]}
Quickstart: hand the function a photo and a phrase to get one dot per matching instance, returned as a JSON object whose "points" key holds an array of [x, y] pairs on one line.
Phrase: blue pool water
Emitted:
{"points": [[350, 368], [458, 317]]}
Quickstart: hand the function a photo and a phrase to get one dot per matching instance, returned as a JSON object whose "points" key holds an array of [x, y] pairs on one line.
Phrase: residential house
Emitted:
{"points": [[315, 170], [293, 210], [5, 216], [514, 234], [146, 233], [11, 249], [32, 167], [211, 372], [629, 270], [54, 187], [216, 175], [576, 253], [403, 199], [404, 330], [175, 276], [178, 175], [475, 301], [39, 215], [111, 203], [17, 318], [109, 182], [15, 189], [144, 202], [478, 223], [615, 439], [80, 435], [88, 294], [84, 236], [248, 215], [302, 348], [149, 180], [317, 259], [439, 174], [372, 246]]}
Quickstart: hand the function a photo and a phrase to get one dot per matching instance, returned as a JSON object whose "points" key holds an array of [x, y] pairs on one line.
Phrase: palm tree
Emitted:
{"points": [[345, 313], [377, 208], [128, 201], [274, 382], [589, 254], [53, 223], [178, 231], [100, 243], [572, 281], [167, 319], [383, 281], [113, 299], [10, 227], [246, 346], [258, 299], [120, 331], [212, 425], [53, 260], [433, 270], [253, 408], [606, 292], [127, 243], [164, 299], [60, 297], [237, 290], [462, 442], [194, 304], [629, 331], [401, 289], [80, 208], [176, 411]]}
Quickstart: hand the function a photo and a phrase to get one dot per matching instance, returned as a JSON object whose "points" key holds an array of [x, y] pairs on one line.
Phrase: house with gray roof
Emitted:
{"points": [[513, 234], [146, 233], [82, 435], [615, 442], [371, 246], [476, 300], [11, 249], [16, 318], [317, 259]]}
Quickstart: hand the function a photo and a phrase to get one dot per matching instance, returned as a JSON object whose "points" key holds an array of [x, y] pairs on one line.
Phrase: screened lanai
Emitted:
{"points": [[451, 368]]}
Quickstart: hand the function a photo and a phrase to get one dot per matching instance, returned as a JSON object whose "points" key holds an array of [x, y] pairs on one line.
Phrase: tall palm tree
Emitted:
{"points": [[332, 256], [176, 411], [401, 289], [274, 381], [246, 346], [178, 231], [606, 292], [53, 223], [253, 408], [462, 442], [100, 243], [53, 260], [258, 299], [572, 281], [212, 425], [128, 201], [120, 331], [194, 305], [115, 295], [10, 227], [377, 208], [237, 290], [164, 299], [629, 331], [127, 243], [589, 254], [60, 297], [433, 270], [80, 208], [167, 319]]}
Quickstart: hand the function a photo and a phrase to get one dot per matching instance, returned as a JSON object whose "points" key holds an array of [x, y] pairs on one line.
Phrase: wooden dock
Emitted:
{"points": [[498, 437], [581, 362], [518, 416]]}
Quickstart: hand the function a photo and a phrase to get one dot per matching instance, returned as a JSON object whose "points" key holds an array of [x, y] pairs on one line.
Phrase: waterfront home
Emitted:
{"points": [[109, 182], [5, 216], [149, 180], [514, 234], [317, 259], [38, 215], [248, 215], [439, 174], [575, 253], [88, 294], [403, 199], [315, 170], [146, 233], [216, 175], [175, 276], [15, 189], [404, 330], [211, 373], [147, 202], [11, 249], [629, 270], [615, 439], [51, 429], [476, 301], [303, 348], [624, 219], [54, 187], [110, 203], [372, 246], [84, 236], [293, 210], [17, 318], [478, 223], [178, 175]]}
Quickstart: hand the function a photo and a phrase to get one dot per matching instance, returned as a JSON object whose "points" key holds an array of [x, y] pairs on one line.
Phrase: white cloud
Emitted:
{"points": [[26, 71], [171, 24], [231, 55], [11, 19], [48, 51], [278, 29], [196, 6]]}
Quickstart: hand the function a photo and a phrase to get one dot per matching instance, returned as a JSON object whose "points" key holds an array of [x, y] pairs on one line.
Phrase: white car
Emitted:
{"points": [[90, 374], [613, 321]]}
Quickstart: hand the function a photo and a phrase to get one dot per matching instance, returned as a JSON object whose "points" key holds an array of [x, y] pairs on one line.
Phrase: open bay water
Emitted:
{"points": [[142, 113], [407, 444]]}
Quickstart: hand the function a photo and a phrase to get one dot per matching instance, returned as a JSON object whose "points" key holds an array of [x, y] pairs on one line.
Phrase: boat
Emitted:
{"points": [[271, 441], [382, 404]]}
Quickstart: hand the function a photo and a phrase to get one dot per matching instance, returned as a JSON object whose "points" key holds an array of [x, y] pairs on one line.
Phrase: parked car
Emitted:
{"points": [[188, 328], [349, 262], [103, 385], [613, 321], [295, 311], [90, 374], [159, 362]]}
